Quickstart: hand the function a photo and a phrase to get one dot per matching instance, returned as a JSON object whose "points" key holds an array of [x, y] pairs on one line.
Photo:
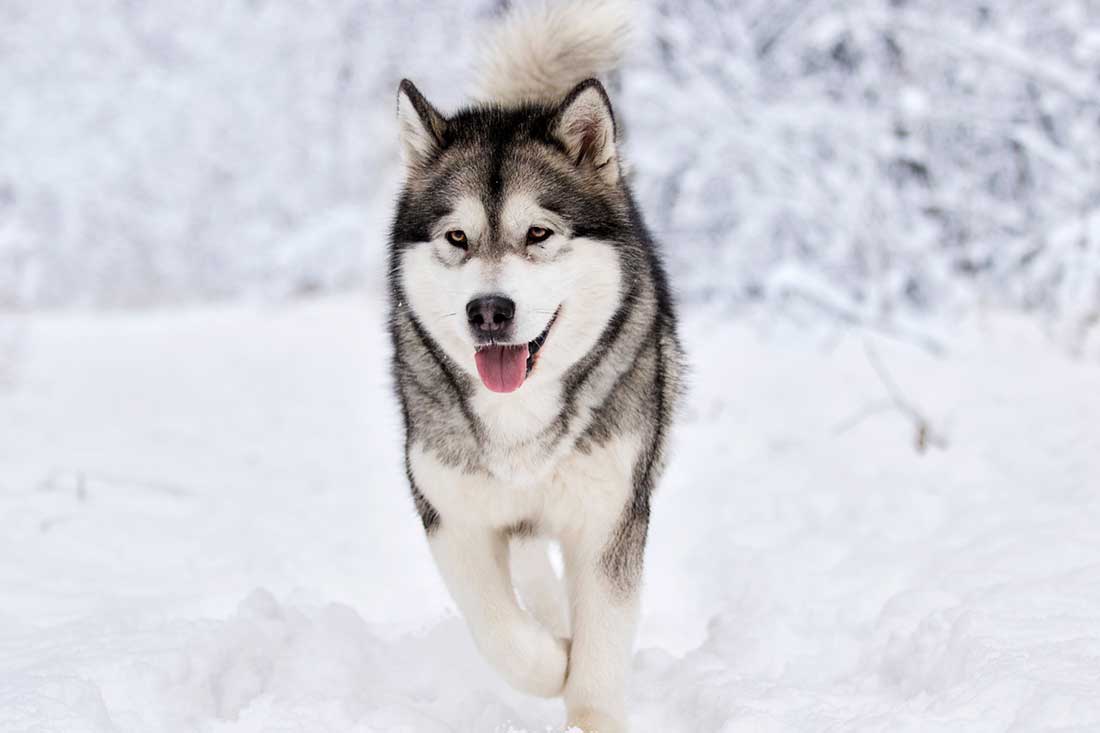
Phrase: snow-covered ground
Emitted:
{"points": [[204, 526]]}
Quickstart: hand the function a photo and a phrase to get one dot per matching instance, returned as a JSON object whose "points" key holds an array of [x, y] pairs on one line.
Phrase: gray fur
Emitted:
{"points": [[628, 383], [531, 228]]}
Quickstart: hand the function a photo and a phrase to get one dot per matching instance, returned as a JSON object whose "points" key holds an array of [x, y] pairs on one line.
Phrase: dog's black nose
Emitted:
{"points": [[490, 313]]}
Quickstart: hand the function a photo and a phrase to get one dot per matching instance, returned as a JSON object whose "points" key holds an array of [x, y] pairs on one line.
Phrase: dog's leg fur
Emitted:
{"points": [[474, 564], [605, 614], [540, 589]]}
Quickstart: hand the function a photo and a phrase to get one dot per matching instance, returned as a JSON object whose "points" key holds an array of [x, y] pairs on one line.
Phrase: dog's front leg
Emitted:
{"points": [[474, 565], [603, 566]]}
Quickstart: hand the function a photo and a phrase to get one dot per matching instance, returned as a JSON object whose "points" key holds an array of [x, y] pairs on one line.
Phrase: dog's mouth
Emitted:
{"points": [[504, 367]]}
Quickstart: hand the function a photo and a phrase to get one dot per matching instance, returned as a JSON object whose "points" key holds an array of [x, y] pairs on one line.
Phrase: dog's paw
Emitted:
{"points": [[594, 721], [528, 656], [541, 661]]}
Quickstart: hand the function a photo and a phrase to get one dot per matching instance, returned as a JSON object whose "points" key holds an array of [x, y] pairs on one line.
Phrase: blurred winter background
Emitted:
{"points": [[883, 221], [864, 157]]}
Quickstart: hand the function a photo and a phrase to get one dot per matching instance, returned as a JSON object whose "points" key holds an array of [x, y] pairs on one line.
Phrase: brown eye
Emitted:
{"points": [[537, 234], [457, 237]]}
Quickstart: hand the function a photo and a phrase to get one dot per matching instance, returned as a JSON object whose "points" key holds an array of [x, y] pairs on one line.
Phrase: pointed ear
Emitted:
{"points": [[586, 126], [421, 126]]}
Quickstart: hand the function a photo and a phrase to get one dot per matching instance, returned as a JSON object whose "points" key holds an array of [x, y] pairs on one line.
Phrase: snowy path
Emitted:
{"points": [[204, 527]]}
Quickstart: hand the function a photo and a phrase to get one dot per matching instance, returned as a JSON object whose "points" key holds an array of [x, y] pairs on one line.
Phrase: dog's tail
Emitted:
{"points": [[541, 49]]}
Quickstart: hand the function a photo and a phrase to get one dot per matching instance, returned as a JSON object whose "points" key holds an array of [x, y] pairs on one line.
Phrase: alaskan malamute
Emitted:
{"points": [[535, 356]]}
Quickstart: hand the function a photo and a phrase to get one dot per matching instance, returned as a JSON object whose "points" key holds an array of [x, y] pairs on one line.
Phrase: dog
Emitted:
{"points": [[535, 356]]}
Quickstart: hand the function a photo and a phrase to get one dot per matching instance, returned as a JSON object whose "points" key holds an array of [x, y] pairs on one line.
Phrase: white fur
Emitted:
{"points": [[575, 498], [540, 589], [589, 274], [521, 212], [581, 277], [473, 561], [604, 623], [587, 128], [580, 504], [542, 49], [417, 141]]}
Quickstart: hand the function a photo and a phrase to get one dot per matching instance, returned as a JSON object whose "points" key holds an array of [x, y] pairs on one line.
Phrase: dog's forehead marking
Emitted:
{"points": [[468, 214], [519, 212], [500, 186]]}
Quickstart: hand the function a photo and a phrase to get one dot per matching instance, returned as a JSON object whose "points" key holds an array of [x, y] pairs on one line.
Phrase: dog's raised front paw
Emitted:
{"points": [[540, 661]]}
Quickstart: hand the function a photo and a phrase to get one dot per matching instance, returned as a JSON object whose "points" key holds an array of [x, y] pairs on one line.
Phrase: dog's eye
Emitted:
{"points": [[457, 237], [537, 234]]}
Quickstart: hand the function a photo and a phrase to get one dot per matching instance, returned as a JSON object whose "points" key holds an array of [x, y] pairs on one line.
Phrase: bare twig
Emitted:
{"points": [[875, 408], [925, 434]]}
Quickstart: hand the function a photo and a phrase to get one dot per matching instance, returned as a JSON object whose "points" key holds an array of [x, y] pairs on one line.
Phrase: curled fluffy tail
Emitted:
{"points": [[542, 48]]}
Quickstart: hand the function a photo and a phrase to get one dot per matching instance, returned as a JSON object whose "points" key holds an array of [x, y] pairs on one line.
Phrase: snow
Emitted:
{"points": [[205, 527]]}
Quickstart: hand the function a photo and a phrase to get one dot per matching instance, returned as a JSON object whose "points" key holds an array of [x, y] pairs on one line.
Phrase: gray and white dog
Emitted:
{"points": [[535, 356]]}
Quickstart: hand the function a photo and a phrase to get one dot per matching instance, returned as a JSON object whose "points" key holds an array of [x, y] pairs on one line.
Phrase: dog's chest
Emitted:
{"points": [[528, 471], [520, 441]]}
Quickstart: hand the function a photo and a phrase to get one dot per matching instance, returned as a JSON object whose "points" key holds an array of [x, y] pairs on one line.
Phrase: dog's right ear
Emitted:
{"points": [[422, 127]]}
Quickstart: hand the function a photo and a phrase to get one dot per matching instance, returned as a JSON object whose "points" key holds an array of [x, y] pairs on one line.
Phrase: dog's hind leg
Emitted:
{"points": [[540, 589], [474, 564]]}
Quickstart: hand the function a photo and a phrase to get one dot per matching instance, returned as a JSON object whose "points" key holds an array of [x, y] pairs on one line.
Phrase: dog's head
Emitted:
{"points": [[510, 231]]}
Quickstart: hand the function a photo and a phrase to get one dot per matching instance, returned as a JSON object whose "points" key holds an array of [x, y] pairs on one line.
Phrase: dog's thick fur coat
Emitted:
{"points": [[516, 237]]}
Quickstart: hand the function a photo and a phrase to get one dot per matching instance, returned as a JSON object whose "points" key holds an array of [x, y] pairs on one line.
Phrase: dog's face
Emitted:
{"points": [[508, 234]]}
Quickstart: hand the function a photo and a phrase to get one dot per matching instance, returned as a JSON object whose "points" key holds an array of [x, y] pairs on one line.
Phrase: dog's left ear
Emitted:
{"points": [[422, 127], [585, 124]]}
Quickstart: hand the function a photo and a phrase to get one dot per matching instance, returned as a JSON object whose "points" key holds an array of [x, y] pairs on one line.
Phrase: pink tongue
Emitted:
{"points": [[502, 368]]}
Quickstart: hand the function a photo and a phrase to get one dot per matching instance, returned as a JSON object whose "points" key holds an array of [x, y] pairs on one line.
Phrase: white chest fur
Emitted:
{"points": [[576, 489], [514, 448]]}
